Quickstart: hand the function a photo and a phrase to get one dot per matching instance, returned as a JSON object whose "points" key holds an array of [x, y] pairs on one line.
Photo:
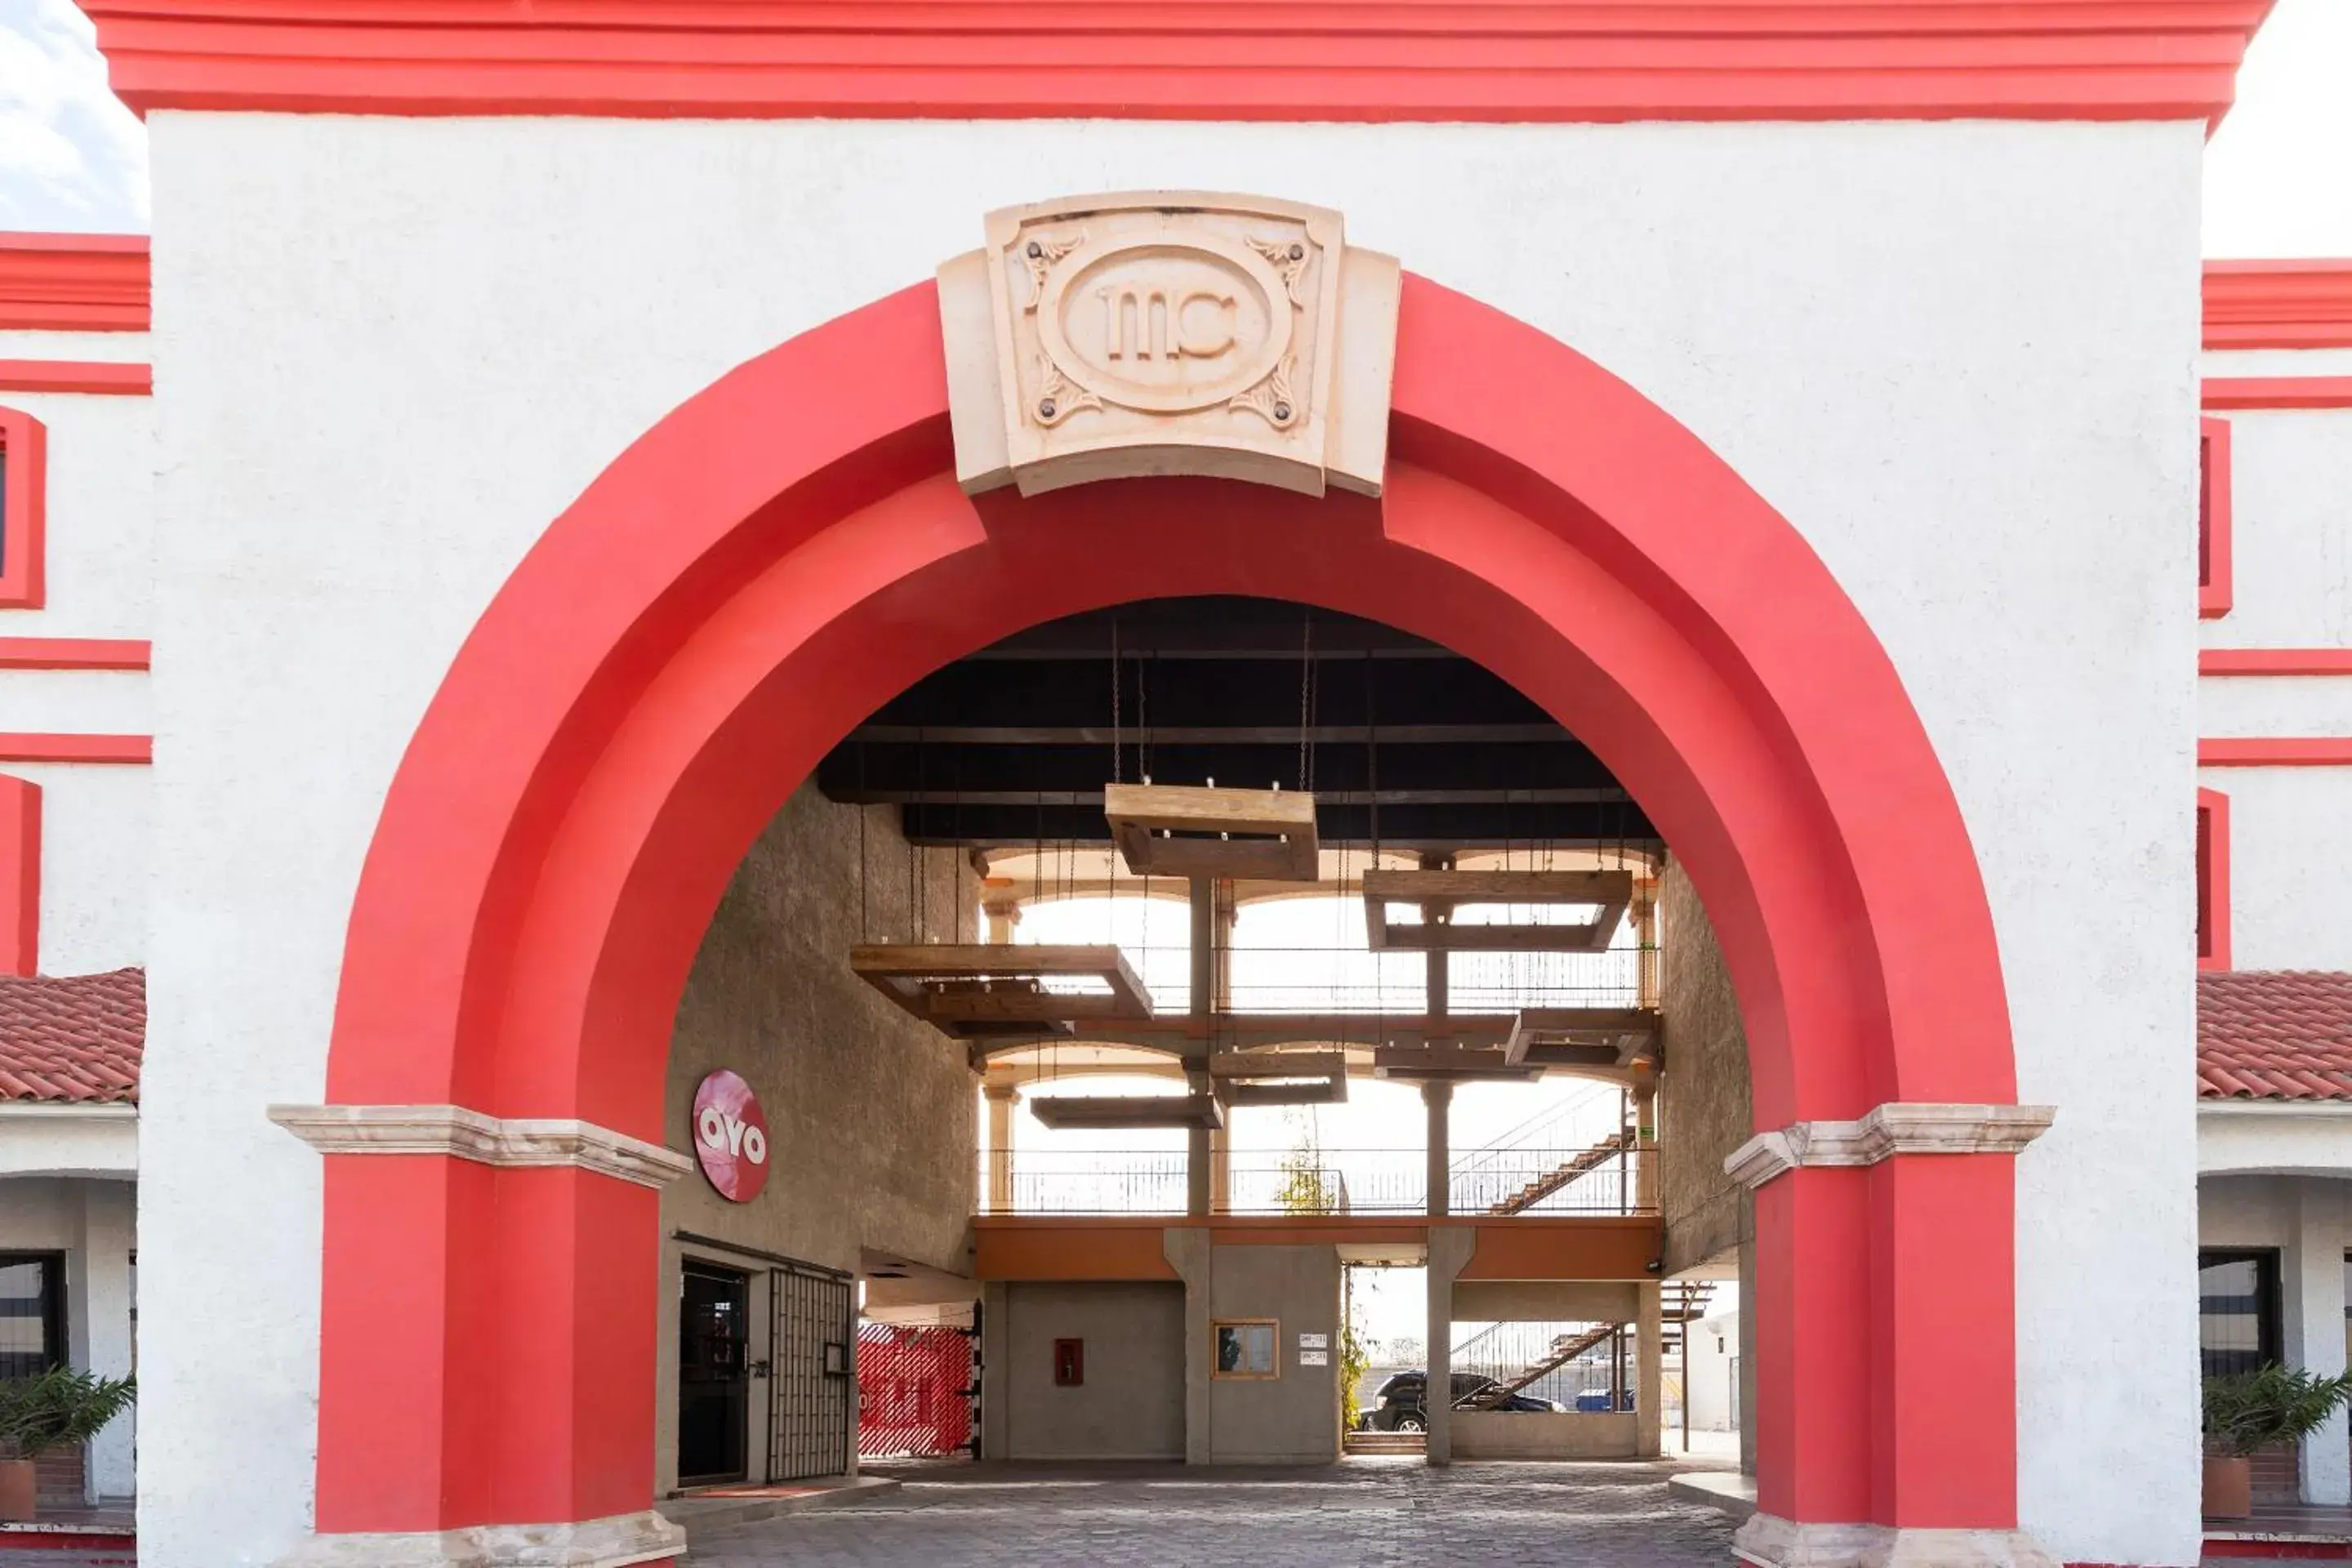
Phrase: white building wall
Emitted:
{"points": [[1960, 357], [2290, 864], [2291, 525], [99, 561], [92, 1223], [1712, 1376], [95, 860]]}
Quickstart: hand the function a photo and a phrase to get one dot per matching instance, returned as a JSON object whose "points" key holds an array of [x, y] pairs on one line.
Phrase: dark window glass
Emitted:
{"points": [[714, 1380], [2237, 1310], [2204, 881], [32, 1334]]}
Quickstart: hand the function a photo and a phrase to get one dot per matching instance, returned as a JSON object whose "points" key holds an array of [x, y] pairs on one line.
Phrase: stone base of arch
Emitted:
{"points": [[1771, 1543], [618, 1541]]}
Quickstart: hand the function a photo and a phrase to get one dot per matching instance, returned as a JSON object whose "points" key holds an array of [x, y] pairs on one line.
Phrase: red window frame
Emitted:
{"points": [[2213, 572], [23, 451], [2212, 879]]}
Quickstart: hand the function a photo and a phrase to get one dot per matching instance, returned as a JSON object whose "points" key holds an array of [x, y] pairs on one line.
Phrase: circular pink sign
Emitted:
{"points": [[731, 1136]]}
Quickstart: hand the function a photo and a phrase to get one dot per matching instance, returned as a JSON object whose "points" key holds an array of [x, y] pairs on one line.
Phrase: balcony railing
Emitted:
{"points": [[1543, 1182]]}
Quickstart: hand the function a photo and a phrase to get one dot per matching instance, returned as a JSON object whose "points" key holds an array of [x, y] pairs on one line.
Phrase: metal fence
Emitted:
{"points": [[914, 1391], [1535, 1180]]}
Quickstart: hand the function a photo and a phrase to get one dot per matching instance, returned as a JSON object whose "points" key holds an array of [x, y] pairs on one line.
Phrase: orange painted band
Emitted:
{"points": [[2224, 392], [52, 748], [74, 652], [106, 377], [2274, 661], [2279, 751]]}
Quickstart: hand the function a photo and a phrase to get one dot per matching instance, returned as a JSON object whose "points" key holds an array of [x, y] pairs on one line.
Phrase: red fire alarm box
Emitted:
{"points": [[1069, 1362]]}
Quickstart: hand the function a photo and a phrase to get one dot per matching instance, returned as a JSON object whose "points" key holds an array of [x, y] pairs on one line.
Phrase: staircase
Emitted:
{"points": [[1563, 1352], [1560, 1176], [1384, 1443]]}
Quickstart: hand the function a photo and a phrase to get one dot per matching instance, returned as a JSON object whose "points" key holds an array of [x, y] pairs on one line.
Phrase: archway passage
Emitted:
{"points": [[787, 551]]}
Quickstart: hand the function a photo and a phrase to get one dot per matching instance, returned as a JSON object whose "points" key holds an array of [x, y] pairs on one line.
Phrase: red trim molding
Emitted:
{"points": [[2227, 392], [20, 877], [1215, 59], [24, 508], [106, 377], [74, 282], [40, 747], [2278, 304], [2275, 752], [2274, 661], [2215, 574], [75, 653], [2212, 879]]}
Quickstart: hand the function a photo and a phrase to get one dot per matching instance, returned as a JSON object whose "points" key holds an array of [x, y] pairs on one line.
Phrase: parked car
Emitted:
{"points": [[1403, 1401]]}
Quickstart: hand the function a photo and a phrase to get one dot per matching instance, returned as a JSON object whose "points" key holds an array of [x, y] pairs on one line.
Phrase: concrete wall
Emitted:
{"points": [[1705, 1107], [1131, 1405], [1959, 357], [869, 1113], [1292, 1418], [1710, 1375], [1539, 1434], [94, 1223]]}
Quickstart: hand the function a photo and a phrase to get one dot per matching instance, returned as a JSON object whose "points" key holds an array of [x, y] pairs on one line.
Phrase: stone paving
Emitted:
{"points": [[1364, 1511]]}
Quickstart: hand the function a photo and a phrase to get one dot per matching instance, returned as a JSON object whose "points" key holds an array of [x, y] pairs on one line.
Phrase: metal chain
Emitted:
{"points": [[1116, 777], [1306, 703]]}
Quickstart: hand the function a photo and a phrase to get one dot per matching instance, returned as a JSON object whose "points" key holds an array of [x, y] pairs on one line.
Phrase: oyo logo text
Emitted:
{"points": [[731, 1136], [736, 1136]]}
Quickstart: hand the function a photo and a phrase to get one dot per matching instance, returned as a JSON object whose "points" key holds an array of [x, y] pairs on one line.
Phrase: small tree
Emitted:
{"points": [[1355, 1361], [2248, 1411], [1305, 1188], [61, 1408]]}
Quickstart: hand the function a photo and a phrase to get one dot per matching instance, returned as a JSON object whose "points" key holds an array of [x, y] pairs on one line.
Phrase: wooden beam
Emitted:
{"points": [[1276, 1064], [1187, 830], [1332, 1090], [1447, 1062], [1121, 1111], [969, 990], [1580, 1037], [1439, 894]]}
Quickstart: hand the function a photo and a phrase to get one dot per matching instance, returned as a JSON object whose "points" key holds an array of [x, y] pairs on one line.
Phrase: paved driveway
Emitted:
{"points": [[1364, 1511]]}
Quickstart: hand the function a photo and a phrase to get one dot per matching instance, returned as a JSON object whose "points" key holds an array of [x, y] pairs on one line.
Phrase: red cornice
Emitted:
{"points": [[2278, 304], [2275, 752], [54, 748], [2274, 661], [117, 378], [2226, 392], [74, 652], [73, 283], [1208, 59]]}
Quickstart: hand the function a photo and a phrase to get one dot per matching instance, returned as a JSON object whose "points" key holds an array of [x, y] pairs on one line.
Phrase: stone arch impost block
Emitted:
{"points": [[1888, 1130]]}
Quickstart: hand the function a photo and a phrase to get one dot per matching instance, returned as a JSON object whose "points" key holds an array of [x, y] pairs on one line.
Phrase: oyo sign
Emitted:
{"points": [[731, 1136]]}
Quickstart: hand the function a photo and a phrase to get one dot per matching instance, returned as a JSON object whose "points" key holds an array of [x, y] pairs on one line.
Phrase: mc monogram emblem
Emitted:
{"points": [[1168, 334]]}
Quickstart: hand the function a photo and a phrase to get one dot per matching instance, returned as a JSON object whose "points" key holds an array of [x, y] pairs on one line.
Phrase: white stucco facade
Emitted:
{"points": [[1959, 357]]}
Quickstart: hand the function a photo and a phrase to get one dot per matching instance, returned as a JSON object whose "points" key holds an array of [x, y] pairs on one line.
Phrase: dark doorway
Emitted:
{"points": [[714, 1375]]}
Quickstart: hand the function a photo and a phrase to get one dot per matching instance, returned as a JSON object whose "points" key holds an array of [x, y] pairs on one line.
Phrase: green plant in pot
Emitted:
{"points": [[2249, 1412], [60, 1408]]}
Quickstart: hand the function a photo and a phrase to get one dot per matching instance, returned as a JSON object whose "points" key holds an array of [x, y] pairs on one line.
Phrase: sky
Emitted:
{"points": [[2278, 174]]}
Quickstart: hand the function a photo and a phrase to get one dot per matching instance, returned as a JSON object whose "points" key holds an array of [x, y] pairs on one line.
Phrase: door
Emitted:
{"points": [[812, 1355], [714, 1375]]}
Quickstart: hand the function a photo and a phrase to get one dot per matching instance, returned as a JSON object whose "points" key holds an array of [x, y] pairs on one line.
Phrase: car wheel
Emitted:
{"points": [[1411, 1424]]}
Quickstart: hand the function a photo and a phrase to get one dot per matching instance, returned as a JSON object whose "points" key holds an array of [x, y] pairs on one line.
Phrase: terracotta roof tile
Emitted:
{"points": [[2275, 1034], [72, 1038]]}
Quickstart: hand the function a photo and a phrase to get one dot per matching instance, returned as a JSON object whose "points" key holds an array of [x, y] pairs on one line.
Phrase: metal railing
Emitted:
{"points": [[1327, 1181], [1601, 1379]]}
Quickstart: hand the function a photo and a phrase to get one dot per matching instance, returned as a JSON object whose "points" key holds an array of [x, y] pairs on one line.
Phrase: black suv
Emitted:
{"points": [[1404, 1401]]}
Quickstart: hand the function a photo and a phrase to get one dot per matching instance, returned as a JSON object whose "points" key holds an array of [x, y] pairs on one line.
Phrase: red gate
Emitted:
{"points": [[914, 1391]]}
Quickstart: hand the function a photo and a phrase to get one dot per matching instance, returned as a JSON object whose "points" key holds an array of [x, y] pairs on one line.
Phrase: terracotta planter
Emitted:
{"points": [[16, 1489], [2229, 1488]]}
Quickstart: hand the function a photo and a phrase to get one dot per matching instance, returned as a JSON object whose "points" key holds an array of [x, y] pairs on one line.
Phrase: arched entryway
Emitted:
{"points": [[789, 549]]}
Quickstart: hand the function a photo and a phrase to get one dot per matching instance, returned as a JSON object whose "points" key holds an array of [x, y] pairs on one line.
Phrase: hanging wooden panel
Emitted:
{"points": [[1187, 830], [1440, 894]]}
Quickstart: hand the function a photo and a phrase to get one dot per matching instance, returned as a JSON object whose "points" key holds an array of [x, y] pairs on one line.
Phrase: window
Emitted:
{"points": [[1246, 1347], [2237, 1310], [32, 1312], [2214, 518], [2212, 879], [1069, 1363]]}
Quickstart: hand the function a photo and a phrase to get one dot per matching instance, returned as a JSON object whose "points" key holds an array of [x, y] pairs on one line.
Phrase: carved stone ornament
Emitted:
{"points": [[1168, 332], [1894, 1128]]}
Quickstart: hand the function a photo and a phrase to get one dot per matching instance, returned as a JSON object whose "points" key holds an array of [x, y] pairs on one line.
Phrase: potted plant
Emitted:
{"points": [[61, 1408], [2246, 1413]]}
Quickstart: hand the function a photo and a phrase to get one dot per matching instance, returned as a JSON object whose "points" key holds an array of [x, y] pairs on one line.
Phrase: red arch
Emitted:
{"points": [[786, 551]]}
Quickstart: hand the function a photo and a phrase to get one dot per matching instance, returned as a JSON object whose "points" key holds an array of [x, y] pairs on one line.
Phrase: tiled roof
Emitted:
{"points": [[72, 1038], [2282, 1034]]}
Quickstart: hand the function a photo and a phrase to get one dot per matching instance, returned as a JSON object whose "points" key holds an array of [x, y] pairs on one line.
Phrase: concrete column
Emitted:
{"points": [[1000, 906], [2311, 1291], [1192, 1252], [98, 1314], [1437, 1095], [1220, 1154], [1645, 912], [1645, 1158], [1199, 1154], [1450, 1247], [1648, 1368], [1003, 1099], [1747, 1391]]}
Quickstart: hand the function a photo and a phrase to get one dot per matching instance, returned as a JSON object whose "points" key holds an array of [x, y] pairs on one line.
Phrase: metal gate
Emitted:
{"points": [[915, 1385], [812, 1391]]}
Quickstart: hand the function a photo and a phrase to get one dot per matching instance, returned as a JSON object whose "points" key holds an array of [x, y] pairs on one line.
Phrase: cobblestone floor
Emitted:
{"points": [[1365, 1512]]}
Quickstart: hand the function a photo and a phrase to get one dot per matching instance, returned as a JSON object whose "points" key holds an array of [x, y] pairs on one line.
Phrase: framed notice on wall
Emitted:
{"points": [[1246, 1347]]}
